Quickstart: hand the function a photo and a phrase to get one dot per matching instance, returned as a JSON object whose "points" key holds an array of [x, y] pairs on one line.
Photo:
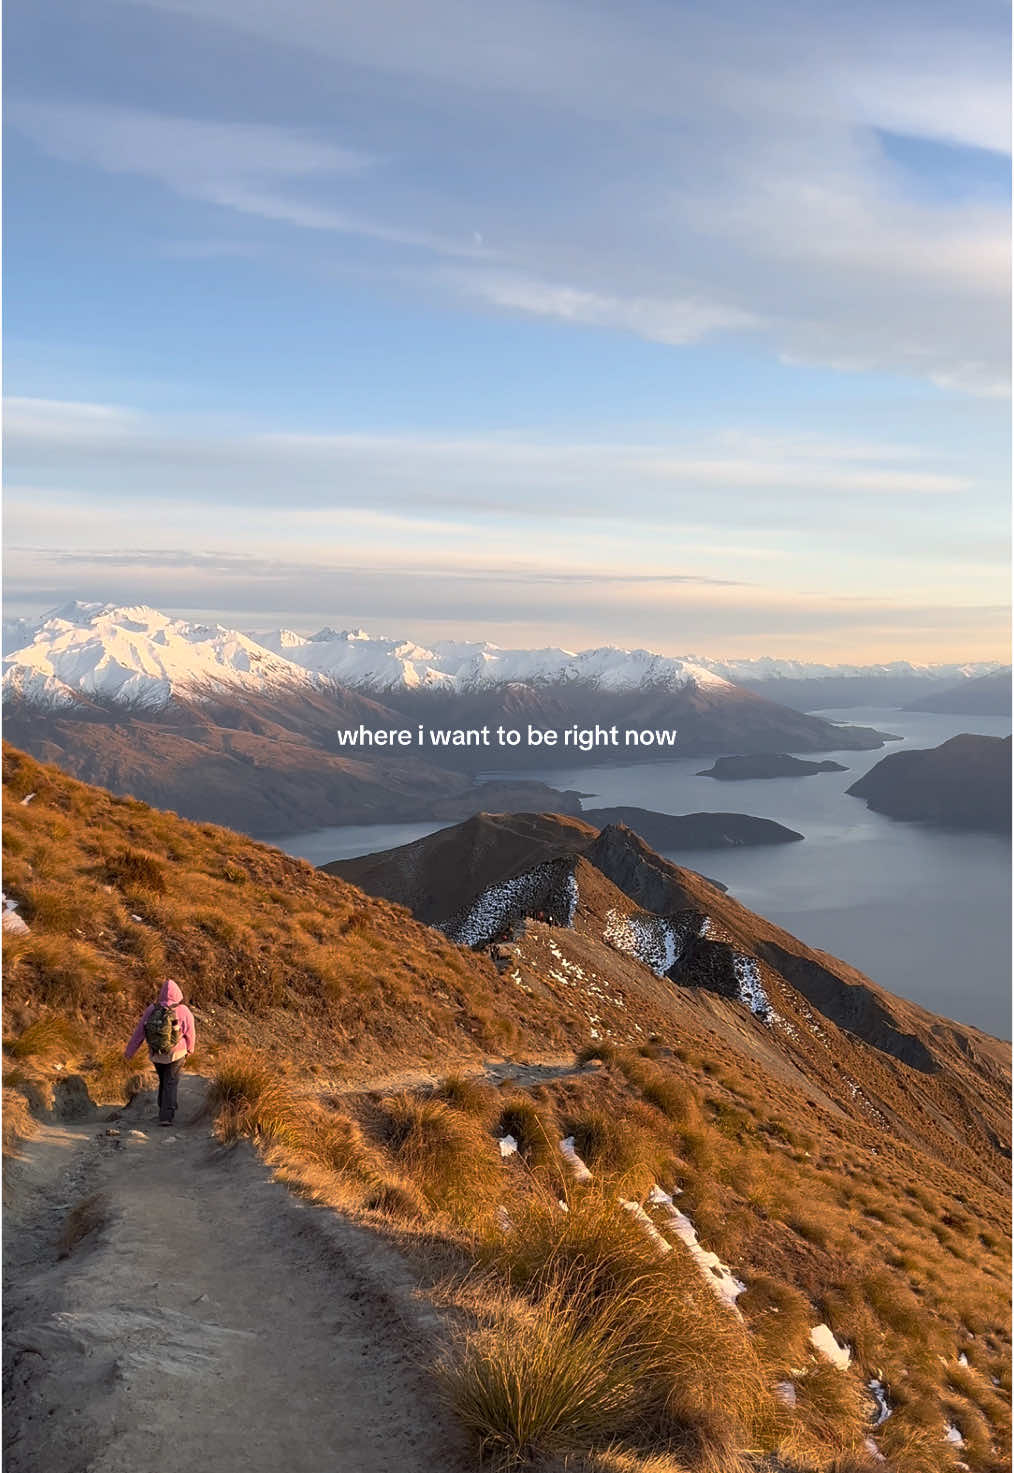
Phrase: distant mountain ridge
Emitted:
{"points": [[137, 655]]}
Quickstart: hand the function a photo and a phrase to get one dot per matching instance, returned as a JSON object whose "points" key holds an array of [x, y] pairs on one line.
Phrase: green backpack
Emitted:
{"points": [[162, 1031]]}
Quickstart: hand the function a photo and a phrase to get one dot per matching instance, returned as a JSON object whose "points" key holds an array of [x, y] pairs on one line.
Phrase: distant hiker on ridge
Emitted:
{"points": [[167, 1027]]}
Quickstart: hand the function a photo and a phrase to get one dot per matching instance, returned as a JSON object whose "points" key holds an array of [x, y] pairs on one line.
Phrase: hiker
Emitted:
{"points": [[167, 1027]]}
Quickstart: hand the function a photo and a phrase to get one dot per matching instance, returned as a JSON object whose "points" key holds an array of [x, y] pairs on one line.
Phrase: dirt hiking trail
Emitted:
{"points": [[212, 1321]]}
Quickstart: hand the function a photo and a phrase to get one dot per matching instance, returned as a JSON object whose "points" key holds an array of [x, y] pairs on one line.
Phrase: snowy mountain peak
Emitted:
{"points": [[138, 656]]}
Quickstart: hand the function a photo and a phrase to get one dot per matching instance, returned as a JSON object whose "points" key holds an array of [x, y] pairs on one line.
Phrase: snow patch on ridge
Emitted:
{"points": [[655, 940], [543, 888]]}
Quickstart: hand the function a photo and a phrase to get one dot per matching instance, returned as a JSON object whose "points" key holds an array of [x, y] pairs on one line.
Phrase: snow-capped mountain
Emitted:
{"points": [[356, 658], [135, 656], [766, 668], [138, 656]]}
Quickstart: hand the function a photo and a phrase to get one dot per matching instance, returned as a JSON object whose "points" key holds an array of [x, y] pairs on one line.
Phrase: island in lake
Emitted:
{"points": [[766, 764]]}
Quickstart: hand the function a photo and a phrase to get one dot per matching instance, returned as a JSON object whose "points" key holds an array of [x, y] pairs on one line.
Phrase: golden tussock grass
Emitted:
{"points": [[698, 1380], [831, 1419], [46, 1038], [452, 1160], [535, 1131], [473, 1096], [539, 1378], [18, 1123]]}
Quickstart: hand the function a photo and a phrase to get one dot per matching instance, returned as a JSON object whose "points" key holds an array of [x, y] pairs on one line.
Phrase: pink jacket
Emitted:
{"points": [[169, 994]]}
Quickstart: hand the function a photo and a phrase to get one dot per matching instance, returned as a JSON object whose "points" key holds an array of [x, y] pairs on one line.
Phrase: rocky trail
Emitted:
{"points": [[209, 1319]]}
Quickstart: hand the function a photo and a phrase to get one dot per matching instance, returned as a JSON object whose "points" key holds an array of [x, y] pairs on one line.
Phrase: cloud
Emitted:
{"points": [[677, 172], [249, 168], [662, 320], [123, 454], [511, 604]]}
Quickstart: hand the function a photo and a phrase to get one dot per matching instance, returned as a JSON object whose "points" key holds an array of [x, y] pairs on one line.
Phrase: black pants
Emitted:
{"points": [[168, 1088]]}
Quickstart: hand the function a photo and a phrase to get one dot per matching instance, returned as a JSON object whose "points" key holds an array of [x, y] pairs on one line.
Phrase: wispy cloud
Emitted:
{"points": [[676, 172], [250, 168], [136, 456]]}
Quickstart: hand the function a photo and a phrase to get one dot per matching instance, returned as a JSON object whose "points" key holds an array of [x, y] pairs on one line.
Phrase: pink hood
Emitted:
{"points": [[169, 996]]}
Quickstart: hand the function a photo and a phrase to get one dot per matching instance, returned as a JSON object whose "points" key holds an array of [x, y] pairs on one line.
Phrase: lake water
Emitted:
{"points": [[925, 912]]}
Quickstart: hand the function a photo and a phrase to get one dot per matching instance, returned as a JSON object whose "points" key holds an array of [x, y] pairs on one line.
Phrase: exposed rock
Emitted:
{"points": [[71, 1100]]}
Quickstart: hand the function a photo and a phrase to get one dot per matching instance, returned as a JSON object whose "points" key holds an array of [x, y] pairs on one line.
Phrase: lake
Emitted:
{"points": [[923, 911]]}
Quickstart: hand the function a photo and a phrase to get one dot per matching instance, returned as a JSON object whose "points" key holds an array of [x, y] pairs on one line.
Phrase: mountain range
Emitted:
{"points": [[227, 727], [139, 656]]}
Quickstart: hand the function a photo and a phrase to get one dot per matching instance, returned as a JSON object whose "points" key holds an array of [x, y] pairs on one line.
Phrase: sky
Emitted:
{"points": [[679, 325]]}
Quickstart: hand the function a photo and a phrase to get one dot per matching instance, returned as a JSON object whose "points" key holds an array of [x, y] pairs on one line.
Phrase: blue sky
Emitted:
{"points": [[679, 325]]}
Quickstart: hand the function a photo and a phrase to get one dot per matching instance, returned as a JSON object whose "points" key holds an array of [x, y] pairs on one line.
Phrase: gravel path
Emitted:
{"points": [[212, 1321]]}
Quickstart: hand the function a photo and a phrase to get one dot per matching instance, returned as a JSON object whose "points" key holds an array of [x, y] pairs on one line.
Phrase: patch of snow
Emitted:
{"points": [[952, 1435], [657, 941], [962, 1359], [577, 1166], [879, 1393], [718, 1276], [27, 799], [508, 1146], [638, 1213], [491, 912], [824, 1343], [786, 1393], [751, 992]]}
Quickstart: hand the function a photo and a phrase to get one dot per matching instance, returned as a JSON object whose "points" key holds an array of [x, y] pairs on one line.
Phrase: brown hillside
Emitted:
{"points": [[843, 1151]]}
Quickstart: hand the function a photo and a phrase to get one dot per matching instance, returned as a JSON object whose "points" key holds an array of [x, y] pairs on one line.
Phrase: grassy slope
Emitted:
{"points": [[822, 1216]]}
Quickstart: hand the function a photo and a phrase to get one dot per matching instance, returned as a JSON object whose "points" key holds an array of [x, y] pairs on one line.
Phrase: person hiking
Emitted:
{"points": [[167, 1027]]}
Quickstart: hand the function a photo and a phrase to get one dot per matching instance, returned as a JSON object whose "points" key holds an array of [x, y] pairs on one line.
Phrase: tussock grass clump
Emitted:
{"points": [[465, 1092], [604, 1051], [780, 1318], [677, 1100], [537, 1135], [132, 869], [447, 1155], [913, 1449], [699, 1384], [84, 1219], [17, 1122], [617, 1147], [831, 1418], [252, 1100], [46, 1038], [111, 1077], [60, 973], [326, 1156], [539, 1379]]}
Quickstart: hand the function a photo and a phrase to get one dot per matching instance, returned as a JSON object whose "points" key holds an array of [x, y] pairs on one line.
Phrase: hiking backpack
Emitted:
{"points": [[163, 1030]]}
